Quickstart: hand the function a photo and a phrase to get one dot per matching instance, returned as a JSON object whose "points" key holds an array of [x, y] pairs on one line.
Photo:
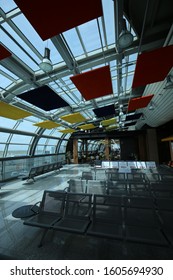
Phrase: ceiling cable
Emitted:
{"points": [[101, 41], [141, 38], [143, 26]]}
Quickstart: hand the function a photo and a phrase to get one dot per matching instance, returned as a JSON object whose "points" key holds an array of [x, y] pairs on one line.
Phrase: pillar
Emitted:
{"points": [[107, 149], [152, 145], [75, 150]]}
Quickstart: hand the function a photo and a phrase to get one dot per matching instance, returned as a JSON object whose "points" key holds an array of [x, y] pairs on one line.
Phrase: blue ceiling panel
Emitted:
{"points": [[105, 111], [44, 98]]}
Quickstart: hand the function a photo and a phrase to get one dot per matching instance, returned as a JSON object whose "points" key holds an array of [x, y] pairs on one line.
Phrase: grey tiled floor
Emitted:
{"points": [[18, 241]]}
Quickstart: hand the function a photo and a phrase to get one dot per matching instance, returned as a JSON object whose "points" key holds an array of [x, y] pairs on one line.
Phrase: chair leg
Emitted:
{"points": [[42, 238]]}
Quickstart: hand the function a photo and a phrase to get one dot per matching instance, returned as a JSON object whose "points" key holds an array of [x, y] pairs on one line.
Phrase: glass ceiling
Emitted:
{"points": [[90, 45]]}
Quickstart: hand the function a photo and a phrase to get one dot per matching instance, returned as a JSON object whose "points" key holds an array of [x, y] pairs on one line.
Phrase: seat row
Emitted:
{"points": [[40, 170], [118, 217], [114, 175], [139, 189]]}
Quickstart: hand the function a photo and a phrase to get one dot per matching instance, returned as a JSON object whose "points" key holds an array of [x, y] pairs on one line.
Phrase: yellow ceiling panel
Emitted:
{"points": [[108, 122], [12, 112], [73, 118], [87, 126], [170, 138], [111, 127], [68, 130], [47, 124]]}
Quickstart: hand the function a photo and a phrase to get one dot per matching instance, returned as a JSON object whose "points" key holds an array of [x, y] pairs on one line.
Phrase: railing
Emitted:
{"points": [[11, 168]]}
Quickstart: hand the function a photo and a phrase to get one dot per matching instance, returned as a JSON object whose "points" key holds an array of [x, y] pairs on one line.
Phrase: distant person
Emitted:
{"points": [[68, 157]]}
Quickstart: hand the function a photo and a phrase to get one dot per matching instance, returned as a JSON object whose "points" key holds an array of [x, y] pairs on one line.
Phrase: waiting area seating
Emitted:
{"points": [[107, 216], [40, 170], [128, 208]]}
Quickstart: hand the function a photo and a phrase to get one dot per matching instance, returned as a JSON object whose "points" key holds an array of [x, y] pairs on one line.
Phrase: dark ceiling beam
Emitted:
{"points": [[64, 51]]}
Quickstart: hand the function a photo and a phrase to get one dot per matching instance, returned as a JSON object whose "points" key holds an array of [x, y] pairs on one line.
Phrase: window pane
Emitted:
{"points": [[17, 150], [21, 139], [2, 147]]}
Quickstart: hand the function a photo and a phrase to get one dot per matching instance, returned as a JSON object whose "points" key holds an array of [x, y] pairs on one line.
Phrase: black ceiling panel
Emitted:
{"points": [[133, 117], [105, 111], [44, 98], [129, 124]]}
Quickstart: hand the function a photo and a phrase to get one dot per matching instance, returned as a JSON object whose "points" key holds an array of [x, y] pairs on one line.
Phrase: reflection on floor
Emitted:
{"points": [[21, 242]]}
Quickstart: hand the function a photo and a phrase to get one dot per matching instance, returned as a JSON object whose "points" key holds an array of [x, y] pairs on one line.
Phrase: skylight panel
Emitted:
{"points": [[9, 73], [68, 99], [24, 25], [8, 5], [73, 41], [129, 82], [90, 35], [4, 81], [14, 47], [77, 94], [108, 12], [131, 68]]}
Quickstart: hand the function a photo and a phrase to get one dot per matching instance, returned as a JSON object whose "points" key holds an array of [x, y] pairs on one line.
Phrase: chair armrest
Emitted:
{"points": [[37, 207], [65, 189]]}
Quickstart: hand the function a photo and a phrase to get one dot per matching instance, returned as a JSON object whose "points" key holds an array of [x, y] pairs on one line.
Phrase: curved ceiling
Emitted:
{"points": [[89, 44]]}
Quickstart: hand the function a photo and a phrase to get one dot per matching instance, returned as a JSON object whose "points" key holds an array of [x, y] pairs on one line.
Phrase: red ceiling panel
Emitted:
{"points": [[139, 102], [52, 17], [4, 53], [94, 83], [153, 66]]}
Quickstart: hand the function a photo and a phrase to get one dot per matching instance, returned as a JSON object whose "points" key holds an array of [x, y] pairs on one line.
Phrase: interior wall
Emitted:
{"points": [[129, 146], [164, 131], [152, 146], [142, 147]]}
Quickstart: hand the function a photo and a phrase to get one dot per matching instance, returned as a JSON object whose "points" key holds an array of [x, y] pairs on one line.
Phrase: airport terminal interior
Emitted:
{"points": [[86, 129]]}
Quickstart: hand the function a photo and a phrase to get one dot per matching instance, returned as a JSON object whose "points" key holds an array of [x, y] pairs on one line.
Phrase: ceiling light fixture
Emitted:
{"points": [[169, 82], [143, 117], [46, 64], [82, 102], [125, 38], [121, 114], [151, 107]]}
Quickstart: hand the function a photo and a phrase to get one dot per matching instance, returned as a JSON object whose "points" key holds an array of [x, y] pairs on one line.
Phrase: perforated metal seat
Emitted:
{"points": [[136, 177], [139, 202], [139, 189], [96, 187], [141, 222], [51, 210], [115, 176], [162, 189], [145, 235], [87, 175], [107, 218], [116, 188], [77, 186], [77, 214], [166, 178]]}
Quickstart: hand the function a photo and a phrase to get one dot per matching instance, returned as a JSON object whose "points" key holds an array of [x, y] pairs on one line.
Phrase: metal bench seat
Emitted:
{"points": [[51, 210], [147, 235], [107, 218], [77, 214], [77, 186]]}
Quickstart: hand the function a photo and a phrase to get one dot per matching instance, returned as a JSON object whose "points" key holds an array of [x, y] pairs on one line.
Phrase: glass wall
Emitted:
{"points": [[20, 148], [16, 168]]}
